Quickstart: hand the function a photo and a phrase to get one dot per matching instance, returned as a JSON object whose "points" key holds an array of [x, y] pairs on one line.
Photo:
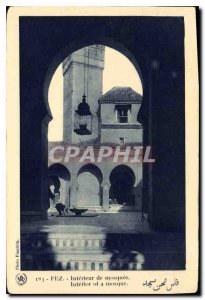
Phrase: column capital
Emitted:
{"points": [[106, 184]]}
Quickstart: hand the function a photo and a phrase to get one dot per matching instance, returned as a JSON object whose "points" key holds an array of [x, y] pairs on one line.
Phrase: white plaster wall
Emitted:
{"points": [[77, 70], [88, 190], [109, 135]]}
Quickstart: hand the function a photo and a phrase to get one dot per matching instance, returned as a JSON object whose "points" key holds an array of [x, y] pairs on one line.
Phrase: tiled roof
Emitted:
{"points": [[121, 94]]}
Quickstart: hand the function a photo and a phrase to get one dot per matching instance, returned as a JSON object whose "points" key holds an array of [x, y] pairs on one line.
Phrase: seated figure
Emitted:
{"points": [[60, 209]]}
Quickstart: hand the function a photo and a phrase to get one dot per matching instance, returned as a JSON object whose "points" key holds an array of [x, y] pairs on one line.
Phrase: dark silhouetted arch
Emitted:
{"points": [[122, 179], [59, 170]]}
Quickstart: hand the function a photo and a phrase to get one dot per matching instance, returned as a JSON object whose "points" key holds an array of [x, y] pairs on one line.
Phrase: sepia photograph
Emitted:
{"points": [[103, 110]]}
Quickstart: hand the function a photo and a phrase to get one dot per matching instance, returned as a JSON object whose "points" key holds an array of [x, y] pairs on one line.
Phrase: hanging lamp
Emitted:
{"points": [[83, 115]]}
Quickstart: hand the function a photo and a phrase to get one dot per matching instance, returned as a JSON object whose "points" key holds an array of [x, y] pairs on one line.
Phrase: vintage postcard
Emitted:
{"points": [[102, 150]]}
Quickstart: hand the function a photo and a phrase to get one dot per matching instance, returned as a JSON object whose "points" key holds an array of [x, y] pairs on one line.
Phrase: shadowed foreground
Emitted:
{"points": [[113, 241]]}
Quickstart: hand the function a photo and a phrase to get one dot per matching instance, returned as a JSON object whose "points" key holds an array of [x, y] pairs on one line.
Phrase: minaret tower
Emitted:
{"points": [[83, 76]]}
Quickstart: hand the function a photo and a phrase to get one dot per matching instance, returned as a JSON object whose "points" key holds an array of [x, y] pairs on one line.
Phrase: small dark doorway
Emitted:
{"points": [[122, 181], [59, 184]]}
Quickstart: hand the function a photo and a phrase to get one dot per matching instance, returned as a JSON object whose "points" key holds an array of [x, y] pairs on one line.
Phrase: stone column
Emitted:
{"points": [[138, 188], [138, 197], [73, 195], [67, 194], [105, 196]]}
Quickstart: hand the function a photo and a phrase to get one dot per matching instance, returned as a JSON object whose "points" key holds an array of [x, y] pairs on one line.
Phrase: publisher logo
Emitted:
{"points": [[21, 278]]}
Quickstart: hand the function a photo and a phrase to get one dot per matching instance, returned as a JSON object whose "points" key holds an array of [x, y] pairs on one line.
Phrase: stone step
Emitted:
{"points": [[118, 207], [115, 208], [99, 241], [102, 262]]}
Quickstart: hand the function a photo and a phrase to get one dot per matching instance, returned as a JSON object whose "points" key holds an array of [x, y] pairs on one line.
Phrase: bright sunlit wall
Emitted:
{"points": [[118, 71]]}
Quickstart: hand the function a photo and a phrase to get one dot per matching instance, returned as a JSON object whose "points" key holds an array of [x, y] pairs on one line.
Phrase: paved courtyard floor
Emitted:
{"points": [[92, 222]]}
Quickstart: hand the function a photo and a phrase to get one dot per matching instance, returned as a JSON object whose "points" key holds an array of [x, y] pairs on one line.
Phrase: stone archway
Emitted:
{"points": [[59, 184], [82, 179], [122, 180], [89, 192], [47, 54]]}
